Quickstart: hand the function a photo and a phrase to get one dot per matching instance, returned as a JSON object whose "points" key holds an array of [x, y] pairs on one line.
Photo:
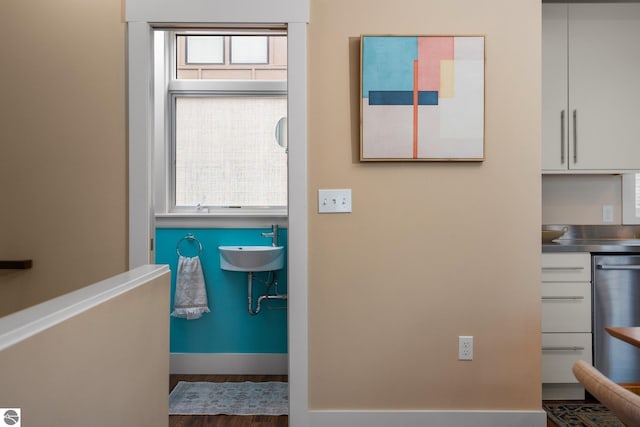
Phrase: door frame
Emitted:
{"points": [[141, 16]]}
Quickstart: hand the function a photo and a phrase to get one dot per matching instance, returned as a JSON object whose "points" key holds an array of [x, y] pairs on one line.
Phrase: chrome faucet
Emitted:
{"points": [[273, 234]]}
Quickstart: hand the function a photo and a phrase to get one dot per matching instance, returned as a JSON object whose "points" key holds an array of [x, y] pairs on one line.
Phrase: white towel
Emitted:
{"points": [[191, 295]]}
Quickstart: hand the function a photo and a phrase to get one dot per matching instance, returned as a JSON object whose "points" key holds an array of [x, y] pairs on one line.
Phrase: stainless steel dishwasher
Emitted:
{"points": [[616, 302]]}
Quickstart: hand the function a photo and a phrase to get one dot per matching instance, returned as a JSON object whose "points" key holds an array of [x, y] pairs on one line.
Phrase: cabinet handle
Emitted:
{"points": [[562, 268], [575, 136], [562, 137], [568, 348], [617, 267], [577, 297]]}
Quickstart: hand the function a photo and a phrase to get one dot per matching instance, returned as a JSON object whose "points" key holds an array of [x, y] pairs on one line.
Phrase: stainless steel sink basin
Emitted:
{"points": [[251, 258]]}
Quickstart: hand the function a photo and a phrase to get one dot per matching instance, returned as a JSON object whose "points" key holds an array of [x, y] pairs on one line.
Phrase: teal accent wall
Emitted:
{"points": [[228, 328]]}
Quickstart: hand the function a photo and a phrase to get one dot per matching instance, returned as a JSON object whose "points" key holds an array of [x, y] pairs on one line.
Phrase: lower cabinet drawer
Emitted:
{"points": [[566, 267], [560, 352], [566, 307]]}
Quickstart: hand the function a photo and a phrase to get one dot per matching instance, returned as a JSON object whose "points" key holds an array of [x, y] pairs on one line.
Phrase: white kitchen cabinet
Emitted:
{"points": [[566, 267], [566, 322], [562, 352], [566, 307], [590, 88], [555, 87]]}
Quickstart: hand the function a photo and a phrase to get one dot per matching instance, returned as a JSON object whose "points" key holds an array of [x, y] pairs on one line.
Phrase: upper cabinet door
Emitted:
{"points": [[555, 88], [590, 88], [604, 88]]}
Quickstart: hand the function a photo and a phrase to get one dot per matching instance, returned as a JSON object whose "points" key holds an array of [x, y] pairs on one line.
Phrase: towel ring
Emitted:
{"points": [[192, 238]]}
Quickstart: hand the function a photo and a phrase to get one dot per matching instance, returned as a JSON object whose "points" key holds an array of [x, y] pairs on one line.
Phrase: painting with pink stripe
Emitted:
{"points": [[422, 98]]}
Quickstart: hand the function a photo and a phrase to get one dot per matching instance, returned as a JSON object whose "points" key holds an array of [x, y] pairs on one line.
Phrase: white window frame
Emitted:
{"points": [[166, 214]]}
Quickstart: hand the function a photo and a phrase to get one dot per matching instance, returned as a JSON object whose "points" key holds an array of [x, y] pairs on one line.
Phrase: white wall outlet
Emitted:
{"points": [[607, 213], [465, 348], [334, 201]]}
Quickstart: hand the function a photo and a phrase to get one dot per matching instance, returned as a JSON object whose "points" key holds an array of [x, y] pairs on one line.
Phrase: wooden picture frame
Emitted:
{"points": [[422, 98]]}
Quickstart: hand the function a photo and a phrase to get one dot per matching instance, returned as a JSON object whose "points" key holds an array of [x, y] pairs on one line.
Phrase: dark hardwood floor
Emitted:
{"points": [[226, 420]]}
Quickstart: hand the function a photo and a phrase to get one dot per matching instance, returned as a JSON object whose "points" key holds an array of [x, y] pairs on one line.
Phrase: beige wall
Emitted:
{"points": [[105, 367], [578, 199], [63, 146], [431, 251]]}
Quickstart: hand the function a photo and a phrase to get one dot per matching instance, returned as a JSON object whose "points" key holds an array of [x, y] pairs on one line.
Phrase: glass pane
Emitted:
{"points": [[205, 50], [249, 50], [246, 57], [226, 153]]}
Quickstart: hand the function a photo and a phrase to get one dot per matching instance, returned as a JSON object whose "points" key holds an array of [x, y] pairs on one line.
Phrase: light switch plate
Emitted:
{"points": [[334, 201]]}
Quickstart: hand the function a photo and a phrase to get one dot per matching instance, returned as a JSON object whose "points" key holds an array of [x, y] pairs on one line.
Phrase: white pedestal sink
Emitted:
{"points": [[251, 258]]}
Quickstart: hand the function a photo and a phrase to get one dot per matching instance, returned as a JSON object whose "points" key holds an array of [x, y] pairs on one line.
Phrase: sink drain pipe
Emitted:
{"points": [[266, 296]]}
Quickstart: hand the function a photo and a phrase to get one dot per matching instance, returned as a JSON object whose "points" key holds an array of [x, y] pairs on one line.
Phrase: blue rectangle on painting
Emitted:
{"points": [[388, 97], [401, 97], [427, 97]]}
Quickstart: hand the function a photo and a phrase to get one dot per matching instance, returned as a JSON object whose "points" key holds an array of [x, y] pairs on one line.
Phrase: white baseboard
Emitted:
{"points": [[229, 363], [562, 392], [442, 418], [277, 364]]}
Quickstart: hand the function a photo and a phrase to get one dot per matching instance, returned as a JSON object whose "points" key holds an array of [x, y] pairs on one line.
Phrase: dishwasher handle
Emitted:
{"points": [[617, 267]]}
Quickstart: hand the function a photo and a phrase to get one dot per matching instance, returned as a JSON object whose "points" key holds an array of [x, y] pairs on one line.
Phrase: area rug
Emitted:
{"points": [[581, 415], [241, 398]]}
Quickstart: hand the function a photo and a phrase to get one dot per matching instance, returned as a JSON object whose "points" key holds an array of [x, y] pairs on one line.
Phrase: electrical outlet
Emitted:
{"points": [[607, 213], [465, 348]]}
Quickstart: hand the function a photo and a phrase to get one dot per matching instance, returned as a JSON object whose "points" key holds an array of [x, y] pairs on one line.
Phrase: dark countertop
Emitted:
{"points": [[593, 245]]}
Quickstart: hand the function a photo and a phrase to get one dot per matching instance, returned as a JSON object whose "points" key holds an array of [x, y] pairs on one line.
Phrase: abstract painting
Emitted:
{"points": [[422, 98]]}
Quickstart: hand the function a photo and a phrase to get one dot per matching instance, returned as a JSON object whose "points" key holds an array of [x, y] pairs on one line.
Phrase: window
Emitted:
{"points": [[631, 198], [227, 56], [225, 97], [204, 50], [249, 50], [226, 154]]}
